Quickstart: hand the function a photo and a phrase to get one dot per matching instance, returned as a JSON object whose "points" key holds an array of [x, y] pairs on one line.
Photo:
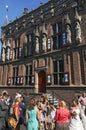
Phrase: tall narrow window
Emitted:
{"points": [[54, 28], [15, 75], [27, 75], [60, 41], [30, 74], [60, 29], [30, 44], [11, 54], [16, 49], [55, 70], [48, 44], [55, 41], [58, 72]]}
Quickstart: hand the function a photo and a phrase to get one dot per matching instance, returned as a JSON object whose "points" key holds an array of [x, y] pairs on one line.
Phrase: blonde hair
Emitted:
{"points": [[63, 103], [17, 99]]}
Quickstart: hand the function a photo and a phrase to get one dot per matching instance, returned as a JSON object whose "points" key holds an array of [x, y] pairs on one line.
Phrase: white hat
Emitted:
{"points": [[18, 95]]}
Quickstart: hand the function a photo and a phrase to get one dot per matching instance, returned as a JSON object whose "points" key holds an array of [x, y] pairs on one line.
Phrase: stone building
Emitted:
{"points": [[45, 50]]}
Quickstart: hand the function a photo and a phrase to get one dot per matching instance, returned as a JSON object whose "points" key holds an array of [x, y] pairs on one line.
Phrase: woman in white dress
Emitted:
{"points": [[75, 121]]}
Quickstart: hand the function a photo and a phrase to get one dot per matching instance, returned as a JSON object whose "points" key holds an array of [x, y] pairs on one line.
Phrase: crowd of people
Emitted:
{"points": [[38, 114]]}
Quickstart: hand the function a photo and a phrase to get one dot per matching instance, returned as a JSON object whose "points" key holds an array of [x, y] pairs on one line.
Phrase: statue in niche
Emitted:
{"points": [[3, 54], [25, 44], [8, 53], [3, 51], [78, 31], [68, 32], [44, 42], [37, 44]]}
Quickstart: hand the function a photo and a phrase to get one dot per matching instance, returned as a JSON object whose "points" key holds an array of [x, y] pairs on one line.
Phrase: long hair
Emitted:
{"points": [[31, 104]]}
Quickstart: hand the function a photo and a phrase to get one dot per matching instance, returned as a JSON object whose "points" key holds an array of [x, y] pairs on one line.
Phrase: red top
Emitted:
{"points": [[17, 106], [62, 115]]}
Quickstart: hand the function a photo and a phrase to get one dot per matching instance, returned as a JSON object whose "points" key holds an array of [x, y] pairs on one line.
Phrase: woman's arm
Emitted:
{"points": [[26, 117], [16, 113]]}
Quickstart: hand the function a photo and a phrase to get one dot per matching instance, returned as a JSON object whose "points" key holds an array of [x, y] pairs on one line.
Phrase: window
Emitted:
{"points": [[28, 75], [20, 52], [30, 45], [32, 80], [60, 27], [54, 28], [55, 41], [48, 79], [48, 44], [11, 54], [16, 49], [9, 81], [58, 72], [60, 41], [58, 37], [64, 38], [55, 70], [15, 75]]}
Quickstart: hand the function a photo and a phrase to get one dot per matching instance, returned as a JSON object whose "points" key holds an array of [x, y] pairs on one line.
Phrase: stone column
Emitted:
{"points": [[76, 68]]}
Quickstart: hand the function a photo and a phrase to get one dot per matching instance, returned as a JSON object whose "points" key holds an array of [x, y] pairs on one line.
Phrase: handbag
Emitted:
{"points": [[12, 122]]}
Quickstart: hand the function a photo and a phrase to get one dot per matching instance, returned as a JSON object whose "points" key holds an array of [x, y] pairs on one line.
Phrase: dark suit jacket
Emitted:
{"points": [[3, 109]]}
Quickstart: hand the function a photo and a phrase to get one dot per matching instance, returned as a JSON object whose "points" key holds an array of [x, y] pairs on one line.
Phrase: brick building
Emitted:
{"points": [[45, 50]]}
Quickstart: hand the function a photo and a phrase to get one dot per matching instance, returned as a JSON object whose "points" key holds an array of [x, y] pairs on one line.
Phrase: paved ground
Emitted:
{"points": [[22, 127]]}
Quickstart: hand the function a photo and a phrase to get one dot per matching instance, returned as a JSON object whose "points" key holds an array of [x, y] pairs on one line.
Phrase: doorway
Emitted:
{"points": [[42, 82]]}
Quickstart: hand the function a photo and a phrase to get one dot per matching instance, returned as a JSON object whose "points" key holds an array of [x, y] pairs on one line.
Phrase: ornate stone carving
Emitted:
{"points": [[77, 26], [77, 17], [78, 31], [44, 42], [25, 45], [68, 28], [37, 44], [68, 33], [36, 40], [67, 20], [8, 50]]}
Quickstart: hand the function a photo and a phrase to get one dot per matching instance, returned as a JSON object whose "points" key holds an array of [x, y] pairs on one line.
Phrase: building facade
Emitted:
{"points": [[45, 50]]}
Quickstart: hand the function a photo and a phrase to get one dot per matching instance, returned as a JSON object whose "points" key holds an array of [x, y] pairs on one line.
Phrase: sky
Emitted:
{"points": [[15, 9]]}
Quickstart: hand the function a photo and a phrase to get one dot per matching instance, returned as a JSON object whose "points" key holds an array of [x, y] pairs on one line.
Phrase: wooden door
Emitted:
{"points": [[42, 82]]}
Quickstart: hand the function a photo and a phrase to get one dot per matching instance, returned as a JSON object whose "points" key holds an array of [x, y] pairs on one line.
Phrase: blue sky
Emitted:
{"points": [[15, 9]]}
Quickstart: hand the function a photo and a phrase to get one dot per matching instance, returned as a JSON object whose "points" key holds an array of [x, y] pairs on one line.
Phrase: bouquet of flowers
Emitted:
{"points": [[73, 114]]}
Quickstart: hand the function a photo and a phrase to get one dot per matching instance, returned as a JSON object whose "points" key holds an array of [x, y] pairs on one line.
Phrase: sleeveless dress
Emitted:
{"points": [[32, 120], [75, 122]]}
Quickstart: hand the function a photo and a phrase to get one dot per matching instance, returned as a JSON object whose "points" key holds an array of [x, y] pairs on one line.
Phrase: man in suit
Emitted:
{"points": [[3, 112]]}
